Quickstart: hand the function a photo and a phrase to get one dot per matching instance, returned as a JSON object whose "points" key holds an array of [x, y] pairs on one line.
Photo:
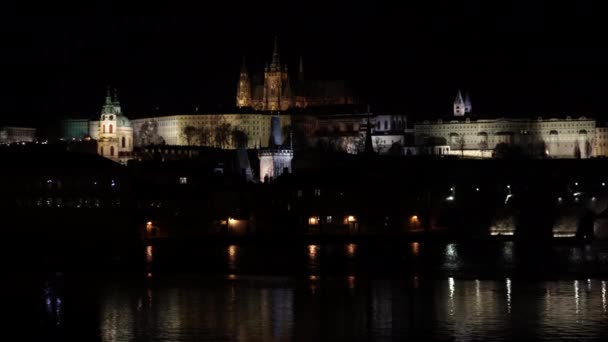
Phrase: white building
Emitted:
{"points": [[115, 134], [9, 134], [553, 138], [276, 159]]}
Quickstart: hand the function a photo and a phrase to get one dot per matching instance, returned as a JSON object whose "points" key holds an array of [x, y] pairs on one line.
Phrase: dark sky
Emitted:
{"points": [[516, 58]]}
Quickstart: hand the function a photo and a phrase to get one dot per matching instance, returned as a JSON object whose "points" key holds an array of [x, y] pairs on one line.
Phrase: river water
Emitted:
{"points": [[335, 292]]}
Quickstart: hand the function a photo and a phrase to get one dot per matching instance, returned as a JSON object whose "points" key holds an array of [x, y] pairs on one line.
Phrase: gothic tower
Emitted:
{"points": [[243, 92], [276, 159], [459, 105], [276, 84]]}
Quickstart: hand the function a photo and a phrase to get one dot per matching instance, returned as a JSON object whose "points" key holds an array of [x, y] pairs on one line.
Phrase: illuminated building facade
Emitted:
{"points": [[9, 135], [546, 138], [115, 134], [276, 158], [278, 91]]}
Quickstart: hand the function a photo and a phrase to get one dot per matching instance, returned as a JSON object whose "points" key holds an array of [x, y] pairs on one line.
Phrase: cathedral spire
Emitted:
{"points": [[301, 70], [243, 66], [243, 90], [276, 63]]}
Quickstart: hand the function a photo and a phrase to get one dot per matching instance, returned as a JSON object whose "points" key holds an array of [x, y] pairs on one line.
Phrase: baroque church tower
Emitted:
{"points": [[243, 93], [115, 131]]}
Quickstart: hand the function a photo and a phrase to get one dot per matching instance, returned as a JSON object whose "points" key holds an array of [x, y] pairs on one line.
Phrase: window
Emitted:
{"points": [[104, 128], [112, 151], [299, 193], [183, 180], [110, 128], [385, 125], [101, 150], [328, 219], [317, 192], [123, 142]]}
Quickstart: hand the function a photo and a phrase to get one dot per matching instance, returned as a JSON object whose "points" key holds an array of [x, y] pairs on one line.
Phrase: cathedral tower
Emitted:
{"points": [[243, 92], [277, 95]]}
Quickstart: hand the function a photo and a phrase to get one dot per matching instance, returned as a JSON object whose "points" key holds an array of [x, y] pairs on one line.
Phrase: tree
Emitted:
{"points": [[203, 135], [483, 146], [507, 151], [239, 138], [222, 135], [189, 133], [148, 134], [460, 144]]}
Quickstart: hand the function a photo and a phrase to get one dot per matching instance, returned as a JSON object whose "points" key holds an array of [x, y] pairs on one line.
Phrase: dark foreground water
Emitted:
{"points": [[333, 292]]}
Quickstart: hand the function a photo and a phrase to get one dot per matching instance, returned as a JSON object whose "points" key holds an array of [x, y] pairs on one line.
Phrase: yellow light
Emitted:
{"points": [[149, 254], [231, 221], [312, 251], [313, 221], [350, 219], [351, 250], [415, 248], [232, 250]]}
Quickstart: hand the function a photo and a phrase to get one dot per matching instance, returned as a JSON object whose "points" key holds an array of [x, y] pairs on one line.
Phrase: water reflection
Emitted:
{"points": [[415, 247], [508, 285], [313, 258], [233, 256], [209, 308], [351, 250], [149, 255], [604, 296]]}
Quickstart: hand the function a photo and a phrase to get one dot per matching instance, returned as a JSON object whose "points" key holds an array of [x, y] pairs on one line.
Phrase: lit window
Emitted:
{"points": [[299, 193], [328, 219], [317, 192], [183, 180]]}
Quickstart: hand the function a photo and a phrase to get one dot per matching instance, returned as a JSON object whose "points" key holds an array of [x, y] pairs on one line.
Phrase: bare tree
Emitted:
{"points": [[460, 143], [189, 133], [239, 138], [203, 135], [222, 135], [483, 146]]}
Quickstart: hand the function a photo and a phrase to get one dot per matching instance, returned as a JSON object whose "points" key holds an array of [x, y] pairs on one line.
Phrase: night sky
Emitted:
{"points": [[515, 59]]}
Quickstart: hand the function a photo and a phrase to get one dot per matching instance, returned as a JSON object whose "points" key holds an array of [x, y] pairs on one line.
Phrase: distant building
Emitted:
{"points": [[9, 134], [276, 158], [277, 91], [542, 138], [74, 129]]}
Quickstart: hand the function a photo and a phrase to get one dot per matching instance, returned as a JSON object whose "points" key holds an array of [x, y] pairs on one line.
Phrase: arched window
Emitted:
{"points": [[101, 150], [110, 128], [123, 142], [104, 128], [111, 150]]}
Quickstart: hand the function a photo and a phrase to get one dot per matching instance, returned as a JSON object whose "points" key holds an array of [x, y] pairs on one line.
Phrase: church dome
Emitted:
{"points": [[122, 121]]}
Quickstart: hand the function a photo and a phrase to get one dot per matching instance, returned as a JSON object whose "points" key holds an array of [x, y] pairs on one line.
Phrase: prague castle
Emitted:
{"points": [[277, 91]]}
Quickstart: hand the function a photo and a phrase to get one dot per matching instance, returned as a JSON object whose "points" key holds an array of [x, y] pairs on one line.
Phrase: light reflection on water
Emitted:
{"points": [[316, 304], [270, 309]]}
